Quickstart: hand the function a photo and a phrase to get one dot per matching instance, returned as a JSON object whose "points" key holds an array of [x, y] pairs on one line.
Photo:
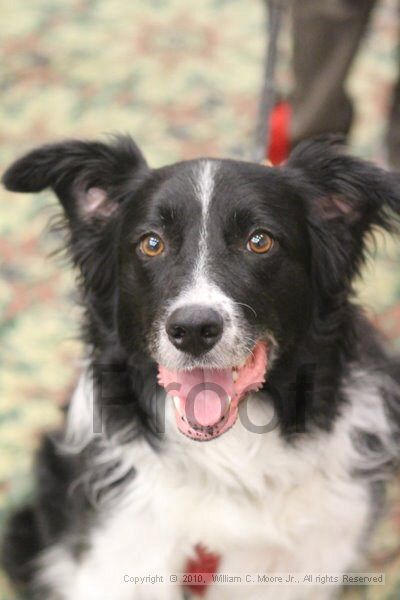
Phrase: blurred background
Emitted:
{"points": [[184, 79]]}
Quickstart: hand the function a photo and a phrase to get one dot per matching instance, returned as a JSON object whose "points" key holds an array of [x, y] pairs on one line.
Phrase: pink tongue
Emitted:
{"points": [[205, 394]]}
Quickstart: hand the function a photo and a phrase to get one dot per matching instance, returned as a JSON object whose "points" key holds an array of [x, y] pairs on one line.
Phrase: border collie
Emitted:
{"points": [[235, 397]]}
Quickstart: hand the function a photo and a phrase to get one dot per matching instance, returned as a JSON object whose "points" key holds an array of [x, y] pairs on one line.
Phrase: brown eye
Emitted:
{"points": [[260, 242], [152, 245]]}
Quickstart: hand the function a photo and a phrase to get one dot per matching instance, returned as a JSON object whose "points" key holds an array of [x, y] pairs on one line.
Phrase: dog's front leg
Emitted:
{"points": [[146, 579], [133, 563]]}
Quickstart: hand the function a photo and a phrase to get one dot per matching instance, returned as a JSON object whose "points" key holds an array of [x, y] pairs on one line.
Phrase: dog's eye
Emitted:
{"points": [[152, 245], [260, 242]]}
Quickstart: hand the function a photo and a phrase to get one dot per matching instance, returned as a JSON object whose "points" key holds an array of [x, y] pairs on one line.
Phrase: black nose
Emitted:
{"points": [[194, 328]]}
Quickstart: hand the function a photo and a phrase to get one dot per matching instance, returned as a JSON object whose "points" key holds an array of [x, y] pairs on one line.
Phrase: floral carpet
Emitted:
{"points": [[183, 78]]}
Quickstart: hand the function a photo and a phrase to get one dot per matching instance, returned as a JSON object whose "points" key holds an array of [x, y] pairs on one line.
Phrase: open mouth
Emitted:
{"points": [[206, 401]]}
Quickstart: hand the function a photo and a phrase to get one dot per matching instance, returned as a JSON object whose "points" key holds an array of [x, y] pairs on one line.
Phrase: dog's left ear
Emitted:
{"points": [[84, 175], [346, 199]]}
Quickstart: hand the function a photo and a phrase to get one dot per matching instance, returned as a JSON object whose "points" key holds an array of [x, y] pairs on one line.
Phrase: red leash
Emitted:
{"points": [[279, 139]]}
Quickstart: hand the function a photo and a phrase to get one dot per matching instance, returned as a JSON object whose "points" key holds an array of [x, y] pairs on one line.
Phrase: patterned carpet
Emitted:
{"points": [[183, 78]]}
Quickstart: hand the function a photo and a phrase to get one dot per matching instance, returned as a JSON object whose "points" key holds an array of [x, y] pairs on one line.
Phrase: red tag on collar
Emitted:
{"points": [[205, 563]]}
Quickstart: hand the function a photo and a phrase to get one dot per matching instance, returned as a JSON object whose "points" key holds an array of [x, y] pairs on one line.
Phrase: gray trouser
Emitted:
{"points": [[327, 35]]}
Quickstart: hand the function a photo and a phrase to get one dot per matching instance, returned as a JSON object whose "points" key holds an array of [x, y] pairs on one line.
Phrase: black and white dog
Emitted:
{"points": [[219, 309]]}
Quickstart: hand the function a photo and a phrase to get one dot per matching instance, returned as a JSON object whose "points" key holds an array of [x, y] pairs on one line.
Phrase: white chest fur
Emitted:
{"points": [[261, 503]]}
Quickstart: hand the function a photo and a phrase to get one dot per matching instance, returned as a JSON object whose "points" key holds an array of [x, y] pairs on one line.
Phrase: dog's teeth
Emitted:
{"points": [[177, 403], [227, 407], [235, 376]]}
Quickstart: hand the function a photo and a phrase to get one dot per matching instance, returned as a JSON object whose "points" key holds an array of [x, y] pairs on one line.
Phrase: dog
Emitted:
{"points": [[234, 396]]}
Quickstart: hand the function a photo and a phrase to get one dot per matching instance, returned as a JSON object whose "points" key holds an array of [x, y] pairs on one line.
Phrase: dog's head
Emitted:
{"points": [[211, 268]]}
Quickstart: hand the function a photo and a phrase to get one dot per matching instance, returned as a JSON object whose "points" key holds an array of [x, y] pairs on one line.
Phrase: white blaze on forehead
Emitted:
{"points": [[204, 188], [204, 183]]}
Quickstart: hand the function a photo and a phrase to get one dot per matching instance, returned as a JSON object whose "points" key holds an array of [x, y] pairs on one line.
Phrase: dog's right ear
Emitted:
{"points": [[86, 176]]}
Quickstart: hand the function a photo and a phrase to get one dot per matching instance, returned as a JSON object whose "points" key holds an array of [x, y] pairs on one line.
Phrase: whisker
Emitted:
{"points": [[247, 306]]}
